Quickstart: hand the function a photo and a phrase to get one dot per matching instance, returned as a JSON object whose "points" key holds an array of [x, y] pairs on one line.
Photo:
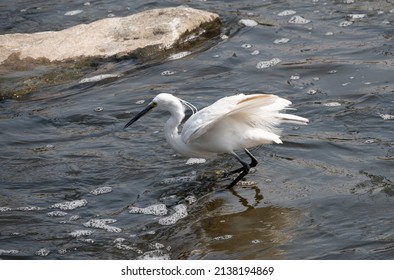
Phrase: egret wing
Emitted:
{"points": [[255, 111]]}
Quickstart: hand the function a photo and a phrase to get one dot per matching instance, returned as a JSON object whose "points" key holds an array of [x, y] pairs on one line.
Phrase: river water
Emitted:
{"points": [[75, 185]]}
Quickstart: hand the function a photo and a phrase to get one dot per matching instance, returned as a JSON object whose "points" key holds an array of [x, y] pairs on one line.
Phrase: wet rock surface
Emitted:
{"points": [[149, 31]]}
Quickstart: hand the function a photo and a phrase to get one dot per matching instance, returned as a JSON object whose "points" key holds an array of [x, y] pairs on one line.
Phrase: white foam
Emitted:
{"points": [[281, 41], [82, 232], [180, 213], [356, 16], [179, 55], [28, 208], [167, 73], [154, 255], [5, 209], [246, 46], [102, 224], [312, 91], [181, 179], [248, 22], [192, 161], [268, 63], [8, 252], [98, 78], [57, 214], [43, 252], [191, 199], [101, 190], [345, 23], [299, 20], [156, 209], [73, 13], [70, 205], [332, 104], [387, 116], [287, 13], [74, 217], [223, 237], [156, 246]]}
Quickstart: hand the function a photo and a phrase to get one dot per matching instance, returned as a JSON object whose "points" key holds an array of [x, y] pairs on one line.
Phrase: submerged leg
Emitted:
{"points": [[244, 169], [253, 163]]}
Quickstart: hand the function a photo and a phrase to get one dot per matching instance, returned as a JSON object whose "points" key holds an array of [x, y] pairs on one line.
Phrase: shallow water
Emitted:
{"points": [[69, 172]]}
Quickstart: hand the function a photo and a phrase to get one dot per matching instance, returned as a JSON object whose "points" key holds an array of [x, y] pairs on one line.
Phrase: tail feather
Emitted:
{"points": [[289, 118]]}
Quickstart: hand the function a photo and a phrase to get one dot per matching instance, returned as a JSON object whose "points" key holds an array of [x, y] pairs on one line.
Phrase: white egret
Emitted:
{"points": [[231, 123]]}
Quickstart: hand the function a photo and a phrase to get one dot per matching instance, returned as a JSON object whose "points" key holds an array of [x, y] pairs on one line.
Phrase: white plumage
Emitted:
{"points": [[231, 123]]}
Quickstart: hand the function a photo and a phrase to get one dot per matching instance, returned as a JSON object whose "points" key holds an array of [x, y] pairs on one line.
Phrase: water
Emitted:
{"points": [[71, 177]]}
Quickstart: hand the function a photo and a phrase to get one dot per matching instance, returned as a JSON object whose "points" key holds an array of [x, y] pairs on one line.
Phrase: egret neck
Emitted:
{"points": [[171, 128]]}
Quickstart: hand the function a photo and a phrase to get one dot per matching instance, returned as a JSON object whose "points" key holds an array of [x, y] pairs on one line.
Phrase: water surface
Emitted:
{"points": [[69, 172]]}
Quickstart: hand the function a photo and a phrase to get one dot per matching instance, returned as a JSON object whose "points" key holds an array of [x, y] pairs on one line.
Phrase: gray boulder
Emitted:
{"points": [[147, 32]]}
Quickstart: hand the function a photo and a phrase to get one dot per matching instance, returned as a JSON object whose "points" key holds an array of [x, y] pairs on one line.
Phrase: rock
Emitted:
{"points": [[143, 33]]}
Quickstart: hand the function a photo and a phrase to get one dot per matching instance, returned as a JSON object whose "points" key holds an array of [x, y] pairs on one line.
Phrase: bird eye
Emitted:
{"points": [[154, 104]]}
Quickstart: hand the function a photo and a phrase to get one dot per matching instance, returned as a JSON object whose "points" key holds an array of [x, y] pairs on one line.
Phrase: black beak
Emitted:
{"points": [[140, 114]]}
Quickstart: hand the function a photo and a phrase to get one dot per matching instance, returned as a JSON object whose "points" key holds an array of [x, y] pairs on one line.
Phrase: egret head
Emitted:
{"points": [[164, 101]]}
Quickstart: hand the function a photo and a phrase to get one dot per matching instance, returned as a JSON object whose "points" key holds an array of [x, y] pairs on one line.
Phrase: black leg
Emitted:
{"points": [[245, 168], [253, 163]]}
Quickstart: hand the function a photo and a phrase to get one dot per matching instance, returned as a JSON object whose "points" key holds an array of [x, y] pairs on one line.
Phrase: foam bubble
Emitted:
{"points": [[298, 20], [192, 161], [345, 23], [181, 179], [98, 78], [73, 13], [223, 237], [248, 22], [180, 213], [70, 205], [247, 183], [356, 16], [56, 214], [287, 13], [43, 252], [246, 46], [8, 252], [5, 209], [191, 199], [82, 232], [332, 104], [28, 208], [155, 255], [167, 73], [156, 209], [281, 41], [268, 63], [102, 224], [179, 55], [312, 91], [74, 217], [101, 190], [156, 246], [387, 116]]}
